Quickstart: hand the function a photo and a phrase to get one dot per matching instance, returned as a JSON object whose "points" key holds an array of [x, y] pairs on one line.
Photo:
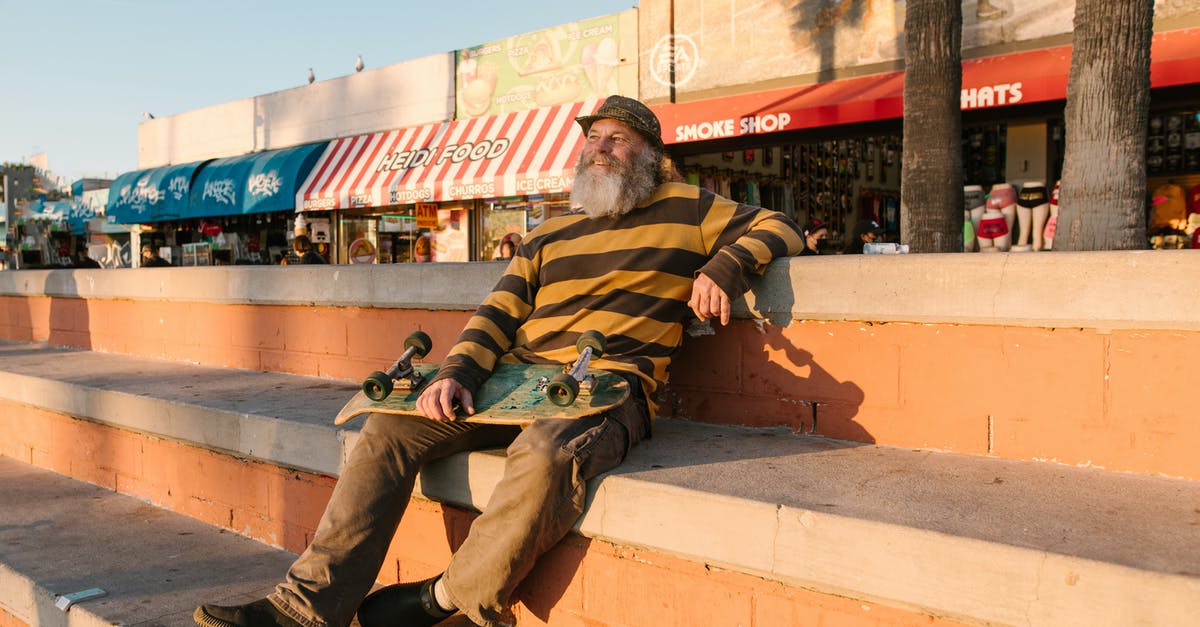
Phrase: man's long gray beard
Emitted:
{"points": [[616, 193]]}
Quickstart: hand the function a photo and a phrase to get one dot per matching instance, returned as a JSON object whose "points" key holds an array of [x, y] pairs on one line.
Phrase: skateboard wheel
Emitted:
{"points": [[591, 339], [562, 389], [378, 386], [419, 340]]}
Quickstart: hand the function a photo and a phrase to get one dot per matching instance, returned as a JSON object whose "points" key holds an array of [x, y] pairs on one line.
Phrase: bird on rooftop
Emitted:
{"points": [[358, 65], [311, 77]]}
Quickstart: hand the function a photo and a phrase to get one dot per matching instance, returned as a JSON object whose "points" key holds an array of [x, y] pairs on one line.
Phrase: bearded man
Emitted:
{"points": [[638, 256]]}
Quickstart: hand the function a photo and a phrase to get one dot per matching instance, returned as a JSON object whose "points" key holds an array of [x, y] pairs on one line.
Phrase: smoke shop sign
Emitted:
{"points": [[733, 127]]}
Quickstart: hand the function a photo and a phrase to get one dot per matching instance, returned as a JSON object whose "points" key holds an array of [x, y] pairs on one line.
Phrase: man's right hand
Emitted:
{"points": [[437, 401]]}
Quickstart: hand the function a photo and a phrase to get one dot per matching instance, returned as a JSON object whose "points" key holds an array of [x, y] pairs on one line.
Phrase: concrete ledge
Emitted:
{"points": [[1102, 290], [283, 419], [1105, 290], [59, 536], [964, 537]]}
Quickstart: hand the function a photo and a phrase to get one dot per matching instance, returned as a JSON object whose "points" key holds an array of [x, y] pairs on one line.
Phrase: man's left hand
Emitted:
{"points": [[709, 300], [436, 401]]}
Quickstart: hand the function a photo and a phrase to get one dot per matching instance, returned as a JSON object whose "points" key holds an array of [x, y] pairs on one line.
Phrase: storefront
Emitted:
{"points": [[832, 150], [236, 210], [444, 192], [45, 234]]}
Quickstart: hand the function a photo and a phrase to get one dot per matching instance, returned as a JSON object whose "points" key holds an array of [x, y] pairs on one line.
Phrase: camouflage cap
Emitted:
{"points": [[632, 112]]}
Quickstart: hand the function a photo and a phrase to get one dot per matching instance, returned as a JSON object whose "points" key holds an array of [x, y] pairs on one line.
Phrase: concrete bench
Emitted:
{"points": [[768, 519]]}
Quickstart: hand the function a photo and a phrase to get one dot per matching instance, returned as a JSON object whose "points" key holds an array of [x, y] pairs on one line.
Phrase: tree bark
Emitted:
{"points": [[931, 216], [1102, 203]]}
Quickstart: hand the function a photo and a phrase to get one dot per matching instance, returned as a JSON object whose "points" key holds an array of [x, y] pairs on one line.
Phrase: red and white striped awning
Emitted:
{"points": [[515, 154]]}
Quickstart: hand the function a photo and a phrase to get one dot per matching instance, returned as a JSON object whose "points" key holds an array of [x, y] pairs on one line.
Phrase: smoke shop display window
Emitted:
{"points": [[837, 181]]}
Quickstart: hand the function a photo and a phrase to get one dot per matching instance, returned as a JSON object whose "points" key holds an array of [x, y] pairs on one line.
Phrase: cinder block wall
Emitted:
{"points": [[1075, 358]]}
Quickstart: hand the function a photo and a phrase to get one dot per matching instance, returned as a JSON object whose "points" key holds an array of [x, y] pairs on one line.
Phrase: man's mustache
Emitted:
{"points": [[603, 159]]}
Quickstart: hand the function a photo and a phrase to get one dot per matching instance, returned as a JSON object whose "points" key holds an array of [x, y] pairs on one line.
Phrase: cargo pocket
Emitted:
{"points": [[598, 449]]}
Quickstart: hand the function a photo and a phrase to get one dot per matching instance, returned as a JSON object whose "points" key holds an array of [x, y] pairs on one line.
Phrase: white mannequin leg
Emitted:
{"points": [[1004, 243], [1024, 219], [1040, 214]]}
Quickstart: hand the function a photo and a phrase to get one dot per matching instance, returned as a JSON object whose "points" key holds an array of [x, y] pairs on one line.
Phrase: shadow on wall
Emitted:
{"points": [[69, 321], [752, 374]]}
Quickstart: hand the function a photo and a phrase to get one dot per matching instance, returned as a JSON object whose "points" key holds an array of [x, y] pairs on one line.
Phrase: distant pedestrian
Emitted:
{"points": [[151, 259], [865, 232], [82, 260], [302, 252], [816, 234]]}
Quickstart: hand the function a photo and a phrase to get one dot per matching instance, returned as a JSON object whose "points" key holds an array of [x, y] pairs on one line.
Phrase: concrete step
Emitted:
{"points": [[59, 536], [968, 538]]}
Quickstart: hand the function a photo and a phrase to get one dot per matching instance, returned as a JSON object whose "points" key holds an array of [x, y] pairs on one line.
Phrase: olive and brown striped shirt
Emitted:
{"points": [[628, 277]]}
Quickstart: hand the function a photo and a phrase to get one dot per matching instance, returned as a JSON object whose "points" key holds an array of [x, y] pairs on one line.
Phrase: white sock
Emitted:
{"points": [[441, 597]]}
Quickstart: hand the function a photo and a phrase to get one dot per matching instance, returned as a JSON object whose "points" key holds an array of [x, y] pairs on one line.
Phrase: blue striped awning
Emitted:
{"points": [[151, 195], [254, 183]]}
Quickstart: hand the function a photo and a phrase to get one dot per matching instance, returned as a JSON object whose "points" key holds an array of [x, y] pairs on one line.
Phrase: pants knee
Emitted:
{"points": [[387, 427], [540, 444]]}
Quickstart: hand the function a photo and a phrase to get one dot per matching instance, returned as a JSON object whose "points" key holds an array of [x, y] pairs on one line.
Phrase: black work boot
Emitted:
{"points": [[261, 613], [409, 604]]}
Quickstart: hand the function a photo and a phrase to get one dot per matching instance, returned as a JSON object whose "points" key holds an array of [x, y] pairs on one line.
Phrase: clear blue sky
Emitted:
{"points": [[76, 75]]}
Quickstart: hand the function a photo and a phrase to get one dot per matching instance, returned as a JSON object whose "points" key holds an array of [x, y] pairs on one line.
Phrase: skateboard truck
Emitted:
{"points": [[564, 387], [379, 385]]}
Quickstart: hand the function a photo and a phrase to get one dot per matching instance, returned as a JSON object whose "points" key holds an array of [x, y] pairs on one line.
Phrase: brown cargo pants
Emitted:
{"points": [[535, 504]]}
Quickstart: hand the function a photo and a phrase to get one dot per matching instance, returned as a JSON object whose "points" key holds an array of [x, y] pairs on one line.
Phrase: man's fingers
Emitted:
{"points": [[467, 402], [446, 403], [437, 401], [699, 304]]}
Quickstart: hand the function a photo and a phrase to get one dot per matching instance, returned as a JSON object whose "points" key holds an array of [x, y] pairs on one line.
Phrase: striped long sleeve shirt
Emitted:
{"points": [[630, 278]]}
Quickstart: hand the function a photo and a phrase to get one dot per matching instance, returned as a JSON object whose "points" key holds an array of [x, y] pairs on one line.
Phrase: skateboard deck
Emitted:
{"points": [[512, 396]]}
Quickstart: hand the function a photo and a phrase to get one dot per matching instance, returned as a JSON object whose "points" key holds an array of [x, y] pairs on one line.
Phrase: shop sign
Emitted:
{"points": [[139, 196], [454, 153], [264, 184], [222, 190], [362, 200], [470, 190], [179, 187], [406, 196], [319, 204], [427, 215], [540, 184], [991, 96], [554, 66], [733, 127], [96, 200]]}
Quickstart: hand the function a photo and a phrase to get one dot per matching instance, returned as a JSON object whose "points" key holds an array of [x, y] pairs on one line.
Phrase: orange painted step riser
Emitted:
{"points": [[579, 582], [1116, 400]]}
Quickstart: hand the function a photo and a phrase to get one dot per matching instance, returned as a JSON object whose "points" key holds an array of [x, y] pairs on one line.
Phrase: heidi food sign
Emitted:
{"points": [[549, 67]]}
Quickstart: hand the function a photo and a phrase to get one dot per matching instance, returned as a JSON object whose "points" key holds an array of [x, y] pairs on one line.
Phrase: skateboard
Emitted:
{"points": [[515, 394]]}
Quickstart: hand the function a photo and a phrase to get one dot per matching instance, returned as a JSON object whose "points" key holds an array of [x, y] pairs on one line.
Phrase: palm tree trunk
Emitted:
{"points": [[931, 215], [1103, 195]]}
